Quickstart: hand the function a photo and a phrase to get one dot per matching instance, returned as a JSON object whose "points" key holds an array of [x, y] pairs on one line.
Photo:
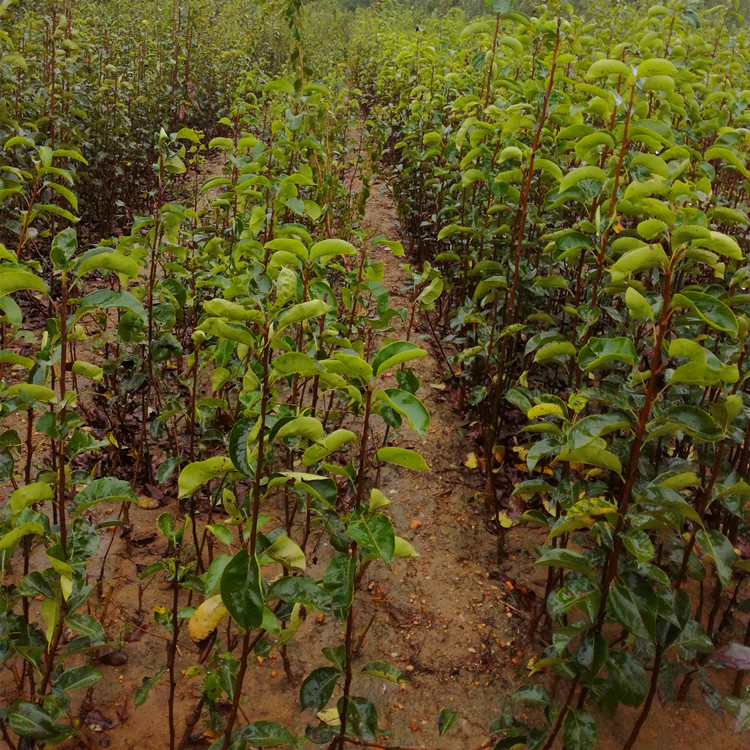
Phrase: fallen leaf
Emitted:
{"points": [[470, 461], [147, 503], [113, 658], [414, 726]]}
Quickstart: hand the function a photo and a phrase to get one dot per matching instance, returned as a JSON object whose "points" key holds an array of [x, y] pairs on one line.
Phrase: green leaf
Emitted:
{"points": [[593, 453], [199, 472], [241, 591], [349, 364], [16, 281], [139, 698], [230, 331], [97, 260], [105, 299], [721, 243], [721, 552], [638, 306], [446, 720], [14, 60], [301, 590], [327, 249], [339, 582], [239, 437], [317, 688], [404, 549], [266, 734], [223, 308], [106, 489], [29, 721], [35, 492], [296, 363], [9, 540], [709, 309], [579, 174], [309, 428], [579, 730], [565, 558], [394, 354], [362, 718], [601, 353], [639, 544], [402, 457], [410, 407], [329, 444], [606, 68], [88, 370], [38, 392], [704, 368], [639, 259], [632, 602], [375, 533], [78, 677], [587, 429], [302, 311], [555, 350], [628, 677], [287, 552], [430, 293], [533, 694], [697, 423]]}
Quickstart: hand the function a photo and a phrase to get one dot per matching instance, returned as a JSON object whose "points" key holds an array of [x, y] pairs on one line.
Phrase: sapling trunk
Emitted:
{"points": [[338, 743], [246, 640]]}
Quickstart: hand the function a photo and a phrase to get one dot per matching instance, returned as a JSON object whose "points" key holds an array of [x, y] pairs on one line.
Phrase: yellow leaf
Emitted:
{"points": [[470, 461], [504, 520], [591, 473], [544, 410], [206, 618], [329, 716]]}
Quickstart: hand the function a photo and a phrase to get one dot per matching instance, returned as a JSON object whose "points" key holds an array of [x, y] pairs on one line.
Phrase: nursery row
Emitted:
{"points": [[574, 189]]}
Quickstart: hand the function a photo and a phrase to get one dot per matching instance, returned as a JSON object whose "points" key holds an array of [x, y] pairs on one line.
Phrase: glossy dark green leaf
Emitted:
{"points": [[628, 677], [565, 558], [139, 698], [579, 730], [267, 734], [362, 718], [241, 591], [301, 590], [31, 722], [720, 550], [238, 439], [632, 603], [317, 688], [339, 582]]}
